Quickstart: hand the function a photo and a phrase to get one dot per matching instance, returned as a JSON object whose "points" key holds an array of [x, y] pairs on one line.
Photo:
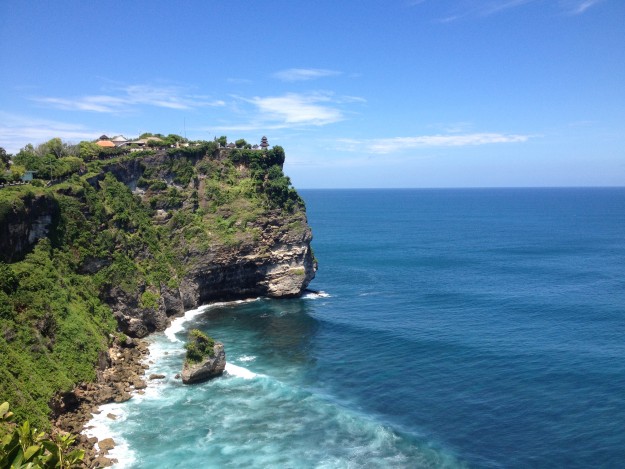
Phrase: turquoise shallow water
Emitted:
{"points": [[459, 328]]}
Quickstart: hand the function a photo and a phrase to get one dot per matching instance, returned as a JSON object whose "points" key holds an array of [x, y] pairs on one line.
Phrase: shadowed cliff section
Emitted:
{"points": [[133, 241], [26, 215]]}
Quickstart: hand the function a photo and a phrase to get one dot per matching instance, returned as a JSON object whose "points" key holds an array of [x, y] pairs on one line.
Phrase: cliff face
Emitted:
{"points": [[24, 222], [183, 230], [279, 265]]}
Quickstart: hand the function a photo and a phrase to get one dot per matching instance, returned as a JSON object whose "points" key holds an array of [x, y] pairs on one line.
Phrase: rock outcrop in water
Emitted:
{"points": [[208, 368]]}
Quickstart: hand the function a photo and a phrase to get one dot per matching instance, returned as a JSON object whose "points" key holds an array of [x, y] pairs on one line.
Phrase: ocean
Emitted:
{"points": [[452, 328]]}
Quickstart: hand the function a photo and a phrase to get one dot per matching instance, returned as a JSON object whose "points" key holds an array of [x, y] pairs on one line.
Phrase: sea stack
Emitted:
{"points": [[205, 358], [208, 368]]}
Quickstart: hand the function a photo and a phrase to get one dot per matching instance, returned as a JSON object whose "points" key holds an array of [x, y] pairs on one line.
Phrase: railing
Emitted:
{"points": [[11, 184]]}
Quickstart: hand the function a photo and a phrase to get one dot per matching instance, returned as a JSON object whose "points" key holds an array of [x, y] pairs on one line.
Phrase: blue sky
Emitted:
{"points": [[394, 93]]}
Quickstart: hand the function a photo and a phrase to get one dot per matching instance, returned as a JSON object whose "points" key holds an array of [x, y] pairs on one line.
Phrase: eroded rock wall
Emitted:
{"points": [[24, 224]]}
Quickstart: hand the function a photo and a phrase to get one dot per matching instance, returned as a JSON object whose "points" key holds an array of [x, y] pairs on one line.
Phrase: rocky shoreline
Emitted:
{"points": [[121, 372]]}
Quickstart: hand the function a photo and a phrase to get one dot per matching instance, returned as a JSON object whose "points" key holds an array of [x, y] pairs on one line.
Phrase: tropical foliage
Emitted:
{"points": [[24, 447], [199, 346]]}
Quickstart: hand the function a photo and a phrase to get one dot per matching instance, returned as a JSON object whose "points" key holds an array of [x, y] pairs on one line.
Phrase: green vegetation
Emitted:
{"points": [[149, 300], [50, 160], [23, 446], [4, 159], [14, 199], [53, 327], [199, 346], [104, 240]]}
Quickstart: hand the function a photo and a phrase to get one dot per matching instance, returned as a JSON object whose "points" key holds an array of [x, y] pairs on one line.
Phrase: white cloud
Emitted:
{"points": [[125, 98], [394, 144], [16, 131], [304, 74], [240, 81], [577, 7], [480, 8], [491, 8], [286, 111], [298, 109], [483, 8], [86, 103]]}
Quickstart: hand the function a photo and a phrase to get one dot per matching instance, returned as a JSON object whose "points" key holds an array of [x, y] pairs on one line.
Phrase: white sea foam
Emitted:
{"points": [[100, 427], [247, 358], [314, 295], [239, 371], [177, 325]]}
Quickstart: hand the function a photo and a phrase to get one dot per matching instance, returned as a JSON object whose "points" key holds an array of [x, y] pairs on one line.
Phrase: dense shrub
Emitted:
{"points": [[199, 346]]}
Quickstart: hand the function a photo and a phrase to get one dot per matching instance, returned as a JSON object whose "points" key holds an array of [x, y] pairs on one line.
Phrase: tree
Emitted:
{"points": [[241, 143], [17, 172], [223, 140], [8, 280], [88, 151], [172, 139], [5, 158], [56, 147]]}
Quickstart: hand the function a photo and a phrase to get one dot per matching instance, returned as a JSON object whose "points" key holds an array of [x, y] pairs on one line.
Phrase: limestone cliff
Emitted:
{"points": [[187, 227]]}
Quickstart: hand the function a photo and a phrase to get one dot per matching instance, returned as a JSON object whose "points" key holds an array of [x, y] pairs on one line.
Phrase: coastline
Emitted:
{"points": [[124, 376], [117, 383]]}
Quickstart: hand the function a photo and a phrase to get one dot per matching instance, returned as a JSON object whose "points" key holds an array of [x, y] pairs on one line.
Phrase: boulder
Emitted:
{"points": [[208, 368], [106, 445]]}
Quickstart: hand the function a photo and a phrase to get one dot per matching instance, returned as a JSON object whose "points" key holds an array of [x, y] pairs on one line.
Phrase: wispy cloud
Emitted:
{"points": [[299, 109], [394, 144], [86, 103], [16, 131], [484, 8], [126, 98], [577, 7], [490, 8], [304, 74], [289, 110], [481, 8], [240, 81]]}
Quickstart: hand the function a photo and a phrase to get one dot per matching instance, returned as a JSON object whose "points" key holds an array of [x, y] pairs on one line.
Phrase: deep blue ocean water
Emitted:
{"points": [[457, 328]]}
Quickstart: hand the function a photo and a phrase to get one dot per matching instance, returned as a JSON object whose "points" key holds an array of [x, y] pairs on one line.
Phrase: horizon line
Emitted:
{"points": [[455, 187]]}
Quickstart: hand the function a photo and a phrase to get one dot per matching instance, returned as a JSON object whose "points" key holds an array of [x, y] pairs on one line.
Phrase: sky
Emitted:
{"points": [[360, 93]]}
